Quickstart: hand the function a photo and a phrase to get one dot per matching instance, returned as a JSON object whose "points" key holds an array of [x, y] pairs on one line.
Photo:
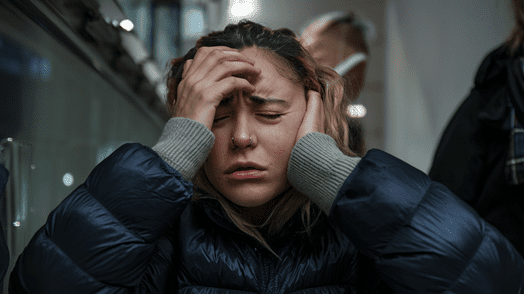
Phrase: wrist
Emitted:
{"points": [[185, 145], [317, 168]]}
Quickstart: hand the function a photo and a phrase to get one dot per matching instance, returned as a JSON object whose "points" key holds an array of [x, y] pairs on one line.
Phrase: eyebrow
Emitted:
{"points": [[257, 100], [264, 101]]}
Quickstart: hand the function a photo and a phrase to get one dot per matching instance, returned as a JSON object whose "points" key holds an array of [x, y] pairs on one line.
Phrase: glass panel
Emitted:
{"points": [[64, 118]]}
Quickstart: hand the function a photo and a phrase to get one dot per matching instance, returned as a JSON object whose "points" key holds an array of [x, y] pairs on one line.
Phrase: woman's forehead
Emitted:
{"points": [[266, 57], [274, 77]]}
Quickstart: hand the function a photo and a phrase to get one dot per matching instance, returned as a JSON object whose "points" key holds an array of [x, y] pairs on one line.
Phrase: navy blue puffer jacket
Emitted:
{"points": [[131, 228]]}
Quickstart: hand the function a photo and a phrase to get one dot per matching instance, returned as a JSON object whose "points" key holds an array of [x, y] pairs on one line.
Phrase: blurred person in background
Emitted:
{"points": [[252, 188], [339, 40], [480, 156]]}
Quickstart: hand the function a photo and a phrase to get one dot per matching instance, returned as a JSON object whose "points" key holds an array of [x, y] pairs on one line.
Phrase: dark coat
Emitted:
{"points": [[131, 228], [4, 251], [474, 149]]}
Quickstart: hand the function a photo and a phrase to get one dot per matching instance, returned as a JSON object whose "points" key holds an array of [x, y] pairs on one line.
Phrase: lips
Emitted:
{"points": [[244, 166]]}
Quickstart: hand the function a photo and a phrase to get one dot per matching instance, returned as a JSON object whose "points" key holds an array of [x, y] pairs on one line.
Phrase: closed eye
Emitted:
{"points": [[271, 116], [218, 119], [265, 116]]}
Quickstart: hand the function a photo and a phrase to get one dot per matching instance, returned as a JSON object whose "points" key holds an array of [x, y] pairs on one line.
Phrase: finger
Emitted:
{"points": [[187, 65], [313, 120], [233, 68], [237, 70], [202, 65], [315, 109], [203, 111], [237, 56], [228, 85], [203, 53], [214, 92]]}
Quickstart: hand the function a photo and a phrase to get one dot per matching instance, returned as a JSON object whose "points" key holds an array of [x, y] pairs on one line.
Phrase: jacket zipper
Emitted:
{"points": [[265, 268]]}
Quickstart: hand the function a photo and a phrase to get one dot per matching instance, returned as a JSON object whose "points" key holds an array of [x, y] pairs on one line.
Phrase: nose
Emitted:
{"points": [[243, 134]]}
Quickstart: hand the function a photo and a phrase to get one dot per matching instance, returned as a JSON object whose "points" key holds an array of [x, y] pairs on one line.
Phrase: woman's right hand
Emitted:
{"points": [[214, 73]]}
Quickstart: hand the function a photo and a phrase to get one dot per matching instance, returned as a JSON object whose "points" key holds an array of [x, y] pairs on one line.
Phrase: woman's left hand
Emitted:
{"points": [[313, 120]]}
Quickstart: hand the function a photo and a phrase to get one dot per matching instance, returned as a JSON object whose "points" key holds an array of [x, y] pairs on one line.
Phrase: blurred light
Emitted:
{"points": [[239, 9], [45, 69], [104, 152], [68, 179], [127, 25], [194, 23], [134, 47], [16, 224], [357, 111], [40, 68], [34, 67], [152, 72], [161, 91]]}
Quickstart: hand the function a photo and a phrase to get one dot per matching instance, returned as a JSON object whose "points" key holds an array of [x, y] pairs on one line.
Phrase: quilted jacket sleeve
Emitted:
{"points": [[422, 238], [102, 237]]}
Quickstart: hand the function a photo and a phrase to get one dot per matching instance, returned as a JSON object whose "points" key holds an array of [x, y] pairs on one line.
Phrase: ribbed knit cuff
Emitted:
{"points": [[185, 145], [317, 168]]}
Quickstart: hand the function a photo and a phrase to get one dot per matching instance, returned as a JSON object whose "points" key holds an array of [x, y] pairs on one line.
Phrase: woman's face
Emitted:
{"points": [[254, 136]]}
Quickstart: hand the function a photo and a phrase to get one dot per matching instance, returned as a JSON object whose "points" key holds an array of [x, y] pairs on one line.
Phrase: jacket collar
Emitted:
{"points": [[499, 69], [292, 230]]}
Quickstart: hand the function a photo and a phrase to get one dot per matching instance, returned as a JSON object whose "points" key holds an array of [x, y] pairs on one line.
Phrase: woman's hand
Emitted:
{"points": [[313, 120], [210, 77]]}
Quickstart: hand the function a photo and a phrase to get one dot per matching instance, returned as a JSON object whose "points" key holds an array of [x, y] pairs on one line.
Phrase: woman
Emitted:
{"points": [[257, 141]]}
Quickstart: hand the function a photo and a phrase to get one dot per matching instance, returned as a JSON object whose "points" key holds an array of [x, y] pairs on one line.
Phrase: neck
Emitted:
{"points": [[258, 215]]}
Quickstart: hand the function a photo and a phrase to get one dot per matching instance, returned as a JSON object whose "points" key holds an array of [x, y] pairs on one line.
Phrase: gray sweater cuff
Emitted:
{"points": [[317, 168], [185, 145]]}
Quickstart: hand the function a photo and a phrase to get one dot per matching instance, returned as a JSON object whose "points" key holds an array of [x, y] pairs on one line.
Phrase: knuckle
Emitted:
{"points": [[197, 87], [205, 92], [204, 49], [214, 52]]}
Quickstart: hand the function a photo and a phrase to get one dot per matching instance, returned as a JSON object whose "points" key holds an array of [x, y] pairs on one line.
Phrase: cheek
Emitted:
{"points": [[216, 156], [282, 151], [282, 139]]}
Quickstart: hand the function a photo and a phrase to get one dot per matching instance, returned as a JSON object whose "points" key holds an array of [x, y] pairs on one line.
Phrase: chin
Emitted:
{"points": [[249, 200], [251, 196]]}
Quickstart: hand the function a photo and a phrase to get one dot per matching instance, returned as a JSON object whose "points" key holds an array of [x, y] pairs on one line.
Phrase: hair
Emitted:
{"points": [[297, 65], [354, 33], [516, 39]]}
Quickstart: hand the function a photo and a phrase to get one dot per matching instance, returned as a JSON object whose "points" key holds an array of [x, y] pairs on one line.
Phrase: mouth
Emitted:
{"points": [[246, 171], [247, 168], [249, 174], [244, 167]]}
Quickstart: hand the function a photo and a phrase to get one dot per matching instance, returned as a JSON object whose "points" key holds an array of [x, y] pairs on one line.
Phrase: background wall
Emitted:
{"points": [[433, 50]]}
